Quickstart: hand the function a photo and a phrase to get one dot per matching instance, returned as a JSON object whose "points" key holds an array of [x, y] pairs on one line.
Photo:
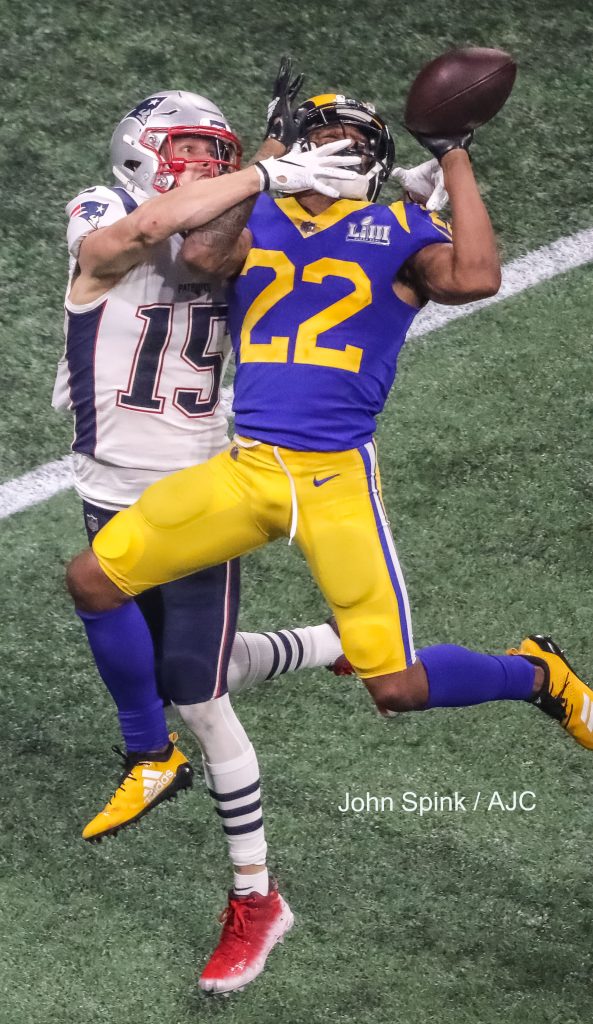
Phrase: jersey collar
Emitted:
{"points": [[308, 225]]}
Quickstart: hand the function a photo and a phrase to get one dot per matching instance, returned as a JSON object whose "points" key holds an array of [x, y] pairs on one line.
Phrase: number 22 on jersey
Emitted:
{"points": [[307, 348]]}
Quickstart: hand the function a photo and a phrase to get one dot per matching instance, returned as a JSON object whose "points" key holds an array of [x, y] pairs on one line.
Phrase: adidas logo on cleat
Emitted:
{"points": [[587, 713], [154, 782]]}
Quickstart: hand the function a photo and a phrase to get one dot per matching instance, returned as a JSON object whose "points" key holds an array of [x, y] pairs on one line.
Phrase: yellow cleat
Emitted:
{"points": [[563, 696], [144, 784]]}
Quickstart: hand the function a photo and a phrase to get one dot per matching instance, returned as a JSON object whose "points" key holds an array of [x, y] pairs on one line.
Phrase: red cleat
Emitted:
{"points": [[252, 925], [341, 666]]}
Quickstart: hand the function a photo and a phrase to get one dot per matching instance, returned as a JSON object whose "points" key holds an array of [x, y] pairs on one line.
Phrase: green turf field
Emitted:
{"points": [[462, 918]]}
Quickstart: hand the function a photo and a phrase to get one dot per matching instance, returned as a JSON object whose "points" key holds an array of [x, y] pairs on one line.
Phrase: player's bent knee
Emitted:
{"points": [[399, 691], [90, 588], [217, 730], [79, 574], [368, 644]]}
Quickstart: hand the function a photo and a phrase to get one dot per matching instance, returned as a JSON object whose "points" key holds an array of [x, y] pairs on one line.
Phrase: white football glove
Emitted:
{"points": [[424, 183], [323, 169], [355, 188]]}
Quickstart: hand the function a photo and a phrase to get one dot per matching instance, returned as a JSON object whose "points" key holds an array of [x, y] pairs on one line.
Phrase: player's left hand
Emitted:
{"points": [[424, 183], [326, 169], [283, 124], [439, 145]]}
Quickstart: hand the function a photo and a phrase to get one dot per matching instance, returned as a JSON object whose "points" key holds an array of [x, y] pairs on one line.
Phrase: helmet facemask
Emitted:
{"points": [[169, 167], [377, 151]]}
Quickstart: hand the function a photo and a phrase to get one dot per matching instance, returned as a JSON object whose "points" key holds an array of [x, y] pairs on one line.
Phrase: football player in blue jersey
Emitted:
{"points": [[324, 290]]}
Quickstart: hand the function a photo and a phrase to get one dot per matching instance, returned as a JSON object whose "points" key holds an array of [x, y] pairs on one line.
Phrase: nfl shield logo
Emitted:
{"points": [[92, 522]]}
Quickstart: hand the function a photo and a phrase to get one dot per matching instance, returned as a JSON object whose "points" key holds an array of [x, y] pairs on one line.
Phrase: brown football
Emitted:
{"points": [[459, 90]]}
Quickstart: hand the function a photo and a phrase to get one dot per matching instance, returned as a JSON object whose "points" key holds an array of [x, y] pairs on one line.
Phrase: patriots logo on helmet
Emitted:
{"points": [[90, 211], [143, 111]]}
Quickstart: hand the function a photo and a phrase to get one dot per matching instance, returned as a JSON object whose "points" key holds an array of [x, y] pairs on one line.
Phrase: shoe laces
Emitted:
{"points": [[555, 705], [129, 761], [235, 919]]}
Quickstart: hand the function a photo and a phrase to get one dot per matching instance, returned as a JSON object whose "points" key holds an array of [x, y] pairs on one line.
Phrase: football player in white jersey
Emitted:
{"points": [[145, 353]]}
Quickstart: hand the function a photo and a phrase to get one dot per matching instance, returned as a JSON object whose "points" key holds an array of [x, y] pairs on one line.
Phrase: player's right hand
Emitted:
{"points": [[323, 169], [283, 121], [424, 183]]}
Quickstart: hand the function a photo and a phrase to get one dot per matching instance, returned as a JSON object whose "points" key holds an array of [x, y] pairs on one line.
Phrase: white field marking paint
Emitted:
{"points": [[527, 271], [540, 265], [35, 487]]}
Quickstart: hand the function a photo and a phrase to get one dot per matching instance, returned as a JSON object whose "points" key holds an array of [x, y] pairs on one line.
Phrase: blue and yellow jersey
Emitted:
{"points": [[315, 323]]}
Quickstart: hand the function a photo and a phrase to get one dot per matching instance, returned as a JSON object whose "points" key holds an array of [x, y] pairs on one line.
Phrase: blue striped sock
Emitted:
{"points": [[288, 653]]}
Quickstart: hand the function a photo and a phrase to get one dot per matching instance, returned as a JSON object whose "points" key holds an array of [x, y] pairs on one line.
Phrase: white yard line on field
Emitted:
{"points": [[34, 487], [539, 265], [526, 272]]}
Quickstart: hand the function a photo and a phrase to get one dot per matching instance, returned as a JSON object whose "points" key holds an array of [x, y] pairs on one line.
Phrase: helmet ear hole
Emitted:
{"points": [[132, 165]]}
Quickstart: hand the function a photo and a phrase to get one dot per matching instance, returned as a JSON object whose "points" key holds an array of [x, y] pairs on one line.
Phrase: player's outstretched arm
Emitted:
{"points": [[220, 247], [112, 251], [107, 254], [469, 269]]}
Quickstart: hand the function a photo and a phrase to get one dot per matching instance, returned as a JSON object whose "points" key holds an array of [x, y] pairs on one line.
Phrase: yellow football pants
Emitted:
{"points": [[247, 496]]}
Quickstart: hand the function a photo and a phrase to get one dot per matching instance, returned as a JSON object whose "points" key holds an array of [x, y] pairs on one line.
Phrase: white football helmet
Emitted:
{"points": [[141, 153]]}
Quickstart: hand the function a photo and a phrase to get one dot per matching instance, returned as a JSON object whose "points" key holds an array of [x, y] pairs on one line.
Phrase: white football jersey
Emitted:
{"points": [[142, 364]]}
